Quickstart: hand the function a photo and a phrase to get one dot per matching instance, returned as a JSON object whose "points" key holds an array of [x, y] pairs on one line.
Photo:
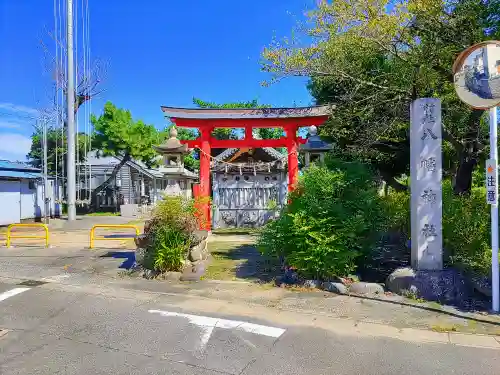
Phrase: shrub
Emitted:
{"points": [[391, 251], [171, 247], [335, 214], [397, 211], [466, 229], [172, 232], [466, 226]]}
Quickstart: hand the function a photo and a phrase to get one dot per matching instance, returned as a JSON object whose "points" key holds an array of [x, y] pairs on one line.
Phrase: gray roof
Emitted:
{"points": [[93, 159], [9, 169], [245, 113]]}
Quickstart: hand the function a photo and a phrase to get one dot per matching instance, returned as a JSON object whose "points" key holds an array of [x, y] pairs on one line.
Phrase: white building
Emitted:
{"points": [[22, 194], [487, 62]]}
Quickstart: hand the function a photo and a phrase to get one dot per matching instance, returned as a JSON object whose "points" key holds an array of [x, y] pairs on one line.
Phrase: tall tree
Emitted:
{"points": [[56, 150], [117, 134], [371, 58]]}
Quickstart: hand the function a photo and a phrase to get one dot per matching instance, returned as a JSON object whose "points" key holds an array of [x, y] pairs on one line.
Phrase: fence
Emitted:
{"points": [[32, 225], [93, 237]]}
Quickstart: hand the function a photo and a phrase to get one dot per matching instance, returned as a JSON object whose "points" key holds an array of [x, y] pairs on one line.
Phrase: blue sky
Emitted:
{"points": [[158, 52]]}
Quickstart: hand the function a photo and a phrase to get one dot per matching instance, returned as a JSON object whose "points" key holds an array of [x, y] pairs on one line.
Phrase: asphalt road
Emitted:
{"points": [[54, 329]]}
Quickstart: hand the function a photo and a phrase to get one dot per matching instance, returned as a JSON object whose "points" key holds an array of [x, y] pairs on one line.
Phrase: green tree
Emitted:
{"points": [[116, 133], [56, 150], [371, 59]]}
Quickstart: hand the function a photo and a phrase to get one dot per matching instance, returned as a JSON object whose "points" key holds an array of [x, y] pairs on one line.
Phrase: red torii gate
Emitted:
{"points": [[206, 120]]}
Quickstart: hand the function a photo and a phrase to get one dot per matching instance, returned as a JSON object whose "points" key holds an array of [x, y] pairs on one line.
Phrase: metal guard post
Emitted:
{"points": [[93, 238], [32, 225]]}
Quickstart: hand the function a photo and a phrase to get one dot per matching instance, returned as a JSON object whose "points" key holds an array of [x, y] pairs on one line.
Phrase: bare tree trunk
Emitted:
{"points": [[463, 177], [93, 199], [468, 156]]}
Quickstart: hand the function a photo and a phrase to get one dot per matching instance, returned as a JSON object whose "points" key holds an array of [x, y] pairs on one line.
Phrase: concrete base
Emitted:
{"points": [[129, 210]]}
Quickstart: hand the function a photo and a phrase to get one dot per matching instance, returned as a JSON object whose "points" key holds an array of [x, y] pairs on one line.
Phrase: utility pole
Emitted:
{"points": [[70, 98], [494, 212], [45, 173]]}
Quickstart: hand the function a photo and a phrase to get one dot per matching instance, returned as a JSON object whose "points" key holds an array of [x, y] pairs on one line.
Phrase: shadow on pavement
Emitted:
{"points": [[244, 261], [128, 256]]}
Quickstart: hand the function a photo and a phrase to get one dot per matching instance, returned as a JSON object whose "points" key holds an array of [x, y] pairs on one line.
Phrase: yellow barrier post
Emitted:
{"points": [[32, 225], [93, 237]]}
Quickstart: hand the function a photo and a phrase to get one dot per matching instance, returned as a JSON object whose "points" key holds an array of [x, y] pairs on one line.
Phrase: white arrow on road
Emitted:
{"points": [[208, 324], [12, 293]]}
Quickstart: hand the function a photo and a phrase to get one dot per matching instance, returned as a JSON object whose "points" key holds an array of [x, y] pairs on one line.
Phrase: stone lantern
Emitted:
{"points": [[315, 148], [178, 179], [173, 152]]}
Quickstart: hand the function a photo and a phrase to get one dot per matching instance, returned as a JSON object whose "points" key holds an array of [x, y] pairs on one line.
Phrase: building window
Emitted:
{"points": [[31, 185]]}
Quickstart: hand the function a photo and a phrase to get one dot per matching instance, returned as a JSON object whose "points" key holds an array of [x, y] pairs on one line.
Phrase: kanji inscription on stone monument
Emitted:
{"points": [[426, 193]]}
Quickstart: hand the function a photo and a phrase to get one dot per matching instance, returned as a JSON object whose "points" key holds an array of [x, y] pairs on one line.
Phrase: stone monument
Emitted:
{"points": [[426, 192]]}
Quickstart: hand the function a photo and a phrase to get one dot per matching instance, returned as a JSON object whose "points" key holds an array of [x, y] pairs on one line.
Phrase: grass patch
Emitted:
{"points": [[412, 296], [238, 261], [137, 222], [235, 231], [445, 328], [103, 214], [435, 305]]}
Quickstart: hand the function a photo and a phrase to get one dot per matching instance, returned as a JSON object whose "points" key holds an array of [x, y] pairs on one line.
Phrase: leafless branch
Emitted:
{"points": [[90, 74]]}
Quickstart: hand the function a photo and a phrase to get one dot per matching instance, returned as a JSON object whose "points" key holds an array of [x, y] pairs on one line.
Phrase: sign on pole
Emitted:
{"points": [[476, 73], [491, 182], [426, 193]]}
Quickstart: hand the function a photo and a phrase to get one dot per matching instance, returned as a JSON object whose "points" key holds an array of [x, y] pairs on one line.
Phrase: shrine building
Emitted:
{"points": [[247, 179]]}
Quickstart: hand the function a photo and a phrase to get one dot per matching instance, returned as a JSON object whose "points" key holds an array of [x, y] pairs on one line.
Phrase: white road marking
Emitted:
{"points": [[56, 278], [208, 324], [12, 293]]}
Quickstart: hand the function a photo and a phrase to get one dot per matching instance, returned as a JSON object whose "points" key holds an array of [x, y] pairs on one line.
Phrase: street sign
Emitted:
{"points": [[491, 183], [476, 74]]}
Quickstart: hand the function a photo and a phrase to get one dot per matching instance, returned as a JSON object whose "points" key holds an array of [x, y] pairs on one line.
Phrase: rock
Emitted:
{"points": [[290, 277], [195, 255], [142, 241], [446, 286], [360, 287], [150, 274], [148, 225], [313, 284], [195, 272], [139, 255], [199, 236], [338, 288], [199, 252], [400, 280], [482, 284]]}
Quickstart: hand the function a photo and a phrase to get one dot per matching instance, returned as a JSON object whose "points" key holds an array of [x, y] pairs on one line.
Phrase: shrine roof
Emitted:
{"points": [[245, 113], [268, 150]]}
